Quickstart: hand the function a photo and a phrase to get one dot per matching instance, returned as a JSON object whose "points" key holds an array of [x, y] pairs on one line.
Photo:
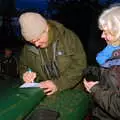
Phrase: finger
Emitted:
{"points": [[43, 86], [97, 82], [47, 90], [50, 93], [85, 84], [27, 81], [84, 81]]}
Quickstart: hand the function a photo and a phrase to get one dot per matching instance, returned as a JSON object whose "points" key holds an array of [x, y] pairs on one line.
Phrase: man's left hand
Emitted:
{"points": [[49, 87]]}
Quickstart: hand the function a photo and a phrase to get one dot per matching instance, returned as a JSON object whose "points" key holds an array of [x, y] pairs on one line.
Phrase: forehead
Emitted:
{"points": [[103, 26]]}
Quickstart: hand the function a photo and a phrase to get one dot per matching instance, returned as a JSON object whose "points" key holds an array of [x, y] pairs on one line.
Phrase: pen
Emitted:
{"points": [[30, 70]]}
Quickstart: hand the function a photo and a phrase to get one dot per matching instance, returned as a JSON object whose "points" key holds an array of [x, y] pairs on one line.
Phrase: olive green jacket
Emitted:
{"points": [[69, 55]]}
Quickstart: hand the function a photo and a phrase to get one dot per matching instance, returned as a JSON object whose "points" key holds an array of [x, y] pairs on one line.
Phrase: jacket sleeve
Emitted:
{"points": [[71, 76], [24, 63], [107, 99]]}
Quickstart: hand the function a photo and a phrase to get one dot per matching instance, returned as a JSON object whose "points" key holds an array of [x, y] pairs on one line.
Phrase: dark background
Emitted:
{"points": [[78, 15]]}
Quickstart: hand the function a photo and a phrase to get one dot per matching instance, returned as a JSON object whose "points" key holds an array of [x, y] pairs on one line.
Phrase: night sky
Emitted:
{"points": [[37, 4]]}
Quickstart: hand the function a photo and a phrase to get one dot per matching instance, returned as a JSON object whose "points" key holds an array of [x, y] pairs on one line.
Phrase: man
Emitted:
{"points": [[53, 53], [9, 64]]}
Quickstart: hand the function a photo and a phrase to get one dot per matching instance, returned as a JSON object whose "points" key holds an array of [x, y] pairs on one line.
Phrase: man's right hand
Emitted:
{"points": [[29, 77]]}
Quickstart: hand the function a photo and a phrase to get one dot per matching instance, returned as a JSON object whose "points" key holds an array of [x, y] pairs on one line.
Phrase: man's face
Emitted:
{"points": [[41, 41]]}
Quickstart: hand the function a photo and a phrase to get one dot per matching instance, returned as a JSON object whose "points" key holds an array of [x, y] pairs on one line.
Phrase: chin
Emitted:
{"points": [[43, 46]]}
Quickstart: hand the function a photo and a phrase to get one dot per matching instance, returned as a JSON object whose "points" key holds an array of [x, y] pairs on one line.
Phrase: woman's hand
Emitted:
{"points": [[29, 77], [48, 86], [89, 84]]}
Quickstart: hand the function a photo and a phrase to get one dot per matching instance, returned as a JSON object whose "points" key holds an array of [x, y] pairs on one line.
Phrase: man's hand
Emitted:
{"points": [[89, 84], [49, 87], [29, 77]]}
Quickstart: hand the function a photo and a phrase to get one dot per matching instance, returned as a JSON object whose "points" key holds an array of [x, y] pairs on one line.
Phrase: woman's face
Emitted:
{"points": [[108, 36]]}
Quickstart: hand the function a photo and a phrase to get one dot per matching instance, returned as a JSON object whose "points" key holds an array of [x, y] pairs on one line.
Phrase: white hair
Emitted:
{"points": [[110, 19]]}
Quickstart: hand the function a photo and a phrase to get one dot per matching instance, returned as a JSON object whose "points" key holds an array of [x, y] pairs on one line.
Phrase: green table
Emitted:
{"points": [[17, 103], [71, 104]]}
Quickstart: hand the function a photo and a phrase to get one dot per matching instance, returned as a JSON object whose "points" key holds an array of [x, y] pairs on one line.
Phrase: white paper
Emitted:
{"points": [[26, 85]]}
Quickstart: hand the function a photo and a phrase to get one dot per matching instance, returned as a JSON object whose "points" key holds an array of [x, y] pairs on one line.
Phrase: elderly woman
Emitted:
{"points": [[107, 98]]}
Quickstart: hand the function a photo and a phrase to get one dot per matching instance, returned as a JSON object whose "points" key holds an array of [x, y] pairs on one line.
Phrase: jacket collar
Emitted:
{"points": [[33, 49]]}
